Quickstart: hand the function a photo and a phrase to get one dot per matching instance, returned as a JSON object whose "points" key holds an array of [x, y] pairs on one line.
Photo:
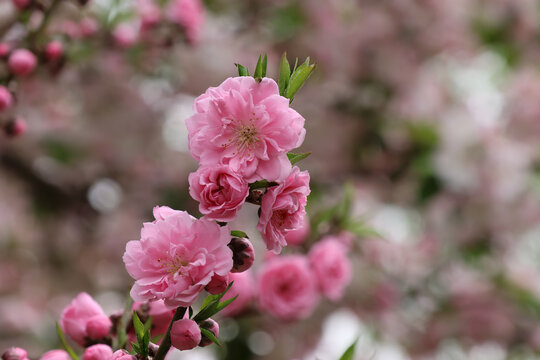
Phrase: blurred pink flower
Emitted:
{"points": [[84, 320], [22, 62], [243, 286], [177, 257], [220, 191], [6, 99], [21, 4], [190, 15], [185, 334], [125, 35], [98, 352], [56, 355], [15, 353], [331, 266], [283, 209], [246, 125], [149, 12], [54, 50], [287, 288]]}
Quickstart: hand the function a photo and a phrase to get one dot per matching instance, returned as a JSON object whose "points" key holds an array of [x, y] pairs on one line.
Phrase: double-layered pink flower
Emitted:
{"points": [[84, 320], [177, 257], [287, 288], [246, 125], [283, 209], [220, 192], [331, 267]]}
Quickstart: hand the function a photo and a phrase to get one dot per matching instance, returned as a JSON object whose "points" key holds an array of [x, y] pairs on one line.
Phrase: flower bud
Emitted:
{"points": [[212, 326], [6, 99], [243, 254], [22, 62], [217, 284], [15, 127], [98, 327], [185, 334], [98, 352], [21, 4], [4, 49], [56, 355], [54, 50], [122, 355], [15, 353]]}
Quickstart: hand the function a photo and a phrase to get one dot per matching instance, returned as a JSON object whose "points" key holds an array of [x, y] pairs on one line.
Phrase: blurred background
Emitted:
{"points": [[428, 109]]}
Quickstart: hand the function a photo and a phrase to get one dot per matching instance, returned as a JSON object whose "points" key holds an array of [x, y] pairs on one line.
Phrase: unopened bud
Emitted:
{"points": [[243, 254], [22, 62], [15, 353], [212, 326], [217, 284], [54, 50], [15, 127]]}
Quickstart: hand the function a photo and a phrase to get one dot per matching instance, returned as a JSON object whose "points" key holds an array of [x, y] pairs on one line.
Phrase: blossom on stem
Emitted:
{"points": [[185, 334]]}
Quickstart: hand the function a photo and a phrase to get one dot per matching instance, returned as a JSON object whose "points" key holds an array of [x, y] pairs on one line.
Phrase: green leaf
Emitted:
{"points": [[62, 338], [360, 229], [349, 353], [211, 306], [239, 234], [211, 336], [294, 158], [260, 68], [284, 75], [121, 327], [222, 305], [190, 310], [298, 78], [138, 325], [242, 70]]}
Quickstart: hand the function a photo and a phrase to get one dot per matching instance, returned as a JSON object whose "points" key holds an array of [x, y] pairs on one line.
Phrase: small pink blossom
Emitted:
{"points": [[298, 235], [283, 209], [246, 125], [122, 355], [15, 353], [243, 286], [220, 191], [22, 62], [125, 35], [4, 49], [16, 127], [84, 320], [88, 26], [287, 288], [190, 15], [185, 334], [331, 266], [6, 99], [56, 355], [98, 352], [149, 12], [177, 257], [54, 50]]}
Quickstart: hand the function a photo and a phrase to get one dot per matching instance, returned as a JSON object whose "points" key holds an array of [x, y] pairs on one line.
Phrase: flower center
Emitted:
{"points": [[246, 137], [174, 265]]}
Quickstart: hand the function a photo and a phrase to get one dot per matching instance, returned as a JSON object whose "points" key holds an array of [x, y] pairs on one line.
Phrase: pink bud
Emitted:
{"points": [[122, 355], [15, 353], [6, 99], [98, 352], [4, 49], [125, 35], [16, 127], [88, 26], [150, 14], [21, 4], [56, 355], [217, 284], [185, 334], [212, 326], [54, 50], [98, 327], [22, 62], [243, 254]]}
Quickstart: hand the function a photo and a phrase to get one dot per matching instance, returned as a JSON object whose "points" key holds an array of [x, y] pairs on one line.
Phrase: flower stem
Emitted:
{"points": [[166, 342]]}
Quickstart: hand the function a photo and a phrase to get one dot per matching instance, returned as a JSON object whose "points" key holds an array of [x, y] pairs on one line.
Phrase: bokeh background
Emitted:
{"points": [[429, 111]]}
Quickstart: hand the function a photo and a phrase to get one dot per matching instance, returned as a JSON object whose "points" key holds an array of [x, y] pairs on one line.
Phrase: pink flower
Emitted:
{"points": [[21, 4], [218, 284], [125, 35], [56, 355], [22, 62], [177, 257], [4, 49], [84, 320], [161, 316], [298, 235], [6, 99], [243, 286], [88, 26], [331, 266], [54, 50], [16, 127], [283, 209], [98, 352], [287, 288], [185, 334], [220, 191], [149, 13], [246, 125], [122, 355], [15, 353], [190, 15]]}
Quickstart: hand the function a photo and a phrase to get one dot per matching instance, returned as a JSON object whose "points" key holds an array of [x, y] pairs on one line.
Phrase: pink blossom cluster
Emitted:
{"points": [[241, 133]]}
